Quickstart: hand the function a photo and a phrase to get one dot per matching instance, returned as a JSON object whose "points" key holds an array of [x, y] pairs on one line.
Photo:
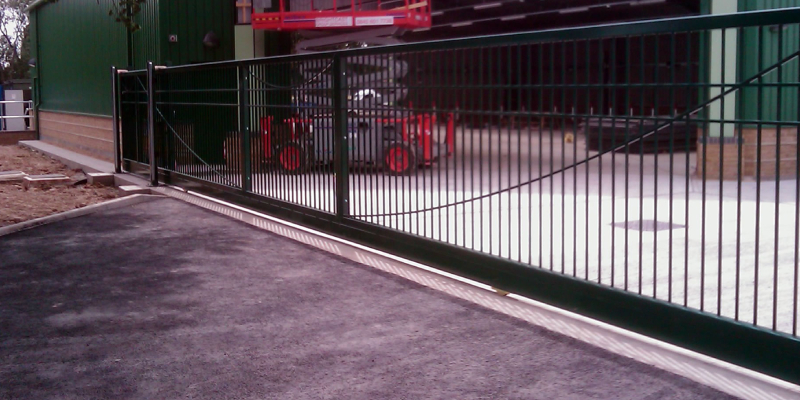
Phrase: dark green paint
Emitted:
{"points": [[77, 44], [191, 20], [749, 61], [146, 43]]}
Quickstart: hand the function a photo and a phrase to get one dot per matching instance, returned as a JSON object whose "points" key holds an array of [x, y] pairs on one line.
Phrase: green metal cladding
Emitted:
{"points": [[76, 43], [146, 42], [776, 44], [190, 21]]}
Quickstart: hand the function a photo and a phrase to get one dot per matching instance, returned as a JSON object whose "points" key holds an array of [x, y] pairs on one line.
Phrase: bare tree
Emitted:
{"points": [[14, 44]]}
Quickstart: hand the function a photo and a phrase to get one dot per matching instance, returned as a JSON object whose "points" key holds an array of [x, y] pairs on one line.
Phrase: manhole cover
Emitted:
{"points": [[647, 225]]}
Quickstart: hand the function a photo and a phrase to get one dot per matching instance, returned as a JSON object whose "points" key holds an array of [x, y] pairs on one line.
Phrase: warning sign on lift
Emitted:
{"points": [[330, 22], [373, 21]]}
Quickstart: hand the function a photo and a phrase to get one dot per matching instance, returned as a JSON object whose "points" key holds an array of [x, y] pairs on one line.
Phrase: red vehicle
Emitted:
{"points": [[398, 144]]}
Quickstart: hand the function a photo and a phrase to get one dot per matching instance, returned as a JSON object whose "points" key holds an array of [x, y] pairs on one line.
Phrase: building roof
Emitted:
{"points": [[36, 4]]}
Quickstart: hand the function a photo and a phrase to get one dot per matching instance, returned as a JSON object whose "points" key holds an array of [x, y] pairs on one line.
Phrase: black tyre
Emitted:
{"points": [[399, 159], [292, 158]]}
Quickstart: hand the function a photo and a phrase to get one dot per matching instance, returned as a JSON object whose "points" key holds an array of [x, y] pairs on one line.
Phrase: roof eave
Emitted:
{"points": [[36, 4]]}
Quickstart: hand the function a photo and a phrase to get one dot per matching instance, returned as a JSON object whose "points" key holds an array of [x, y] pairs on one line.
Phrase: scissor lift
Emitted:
{"points": [[396, 138], [296, 15]]}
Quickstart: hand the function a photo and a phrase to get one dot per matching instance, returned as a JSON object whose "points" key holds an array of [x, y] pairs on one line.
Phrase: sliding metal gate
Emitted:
{"points": [[644, 174]]}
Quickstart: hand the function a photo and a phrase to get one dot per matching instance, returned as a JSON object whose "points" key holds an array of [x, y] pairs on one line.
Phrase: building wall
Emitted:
{"points": [[776, 44], [77, 44], [84, 134], [146, 43], [191, 20]]}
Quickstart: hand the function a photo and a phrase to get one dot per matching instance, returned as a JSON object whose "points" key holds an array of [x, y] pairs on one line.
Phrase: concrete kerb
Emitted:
{"points": [[711, 372], [69, 158], [78, 212]]}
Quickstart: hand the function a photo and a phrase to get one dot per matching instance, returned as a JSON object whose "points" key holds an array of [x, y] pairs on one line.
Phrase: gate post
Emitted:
{"points": [[244, 128], [340, 142], [151, 124], [115, 119]]}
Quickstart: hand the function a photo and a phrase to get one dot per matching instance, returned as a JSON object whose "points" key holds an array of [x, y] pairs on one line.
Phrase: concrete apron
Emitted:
{"points": [[708, 371]]}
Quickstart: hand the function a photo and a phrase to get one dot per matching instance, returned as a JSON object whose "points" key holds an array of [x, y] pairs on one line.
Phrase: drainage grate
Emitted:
{"points": [[647, 225]]}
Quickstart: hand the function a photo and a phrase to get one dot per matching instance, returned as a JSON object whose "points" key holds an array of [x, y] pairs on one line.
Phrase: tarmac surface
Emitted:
{"points": [[166, 300]]}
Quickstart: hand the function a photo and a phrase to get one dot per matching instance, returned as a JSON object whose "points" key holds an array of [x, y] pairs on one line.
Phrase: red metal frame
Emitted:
{"points": [[413, 14]]}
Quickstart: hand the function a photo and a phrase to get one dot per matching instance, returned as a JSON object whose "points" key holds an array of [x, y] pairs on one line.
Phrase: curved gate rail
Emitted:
{"points": [[644, 174]]}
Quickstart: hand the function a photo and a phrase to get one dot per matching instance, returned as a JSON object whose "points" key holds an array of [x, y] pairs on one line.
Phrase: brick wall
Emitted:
{"points": [[720, 156], [88, 135], [11, 138]]}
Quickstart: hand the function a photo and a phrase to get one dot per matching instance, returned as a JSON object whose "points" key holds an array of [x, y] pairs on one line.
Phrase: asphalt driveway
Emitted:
{"points": [[164, 300]]}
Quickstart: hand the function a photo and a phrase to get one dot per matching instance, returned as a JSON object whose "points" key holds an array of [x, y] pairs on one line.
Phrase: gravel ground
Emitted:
{"points": [[18, 205]]}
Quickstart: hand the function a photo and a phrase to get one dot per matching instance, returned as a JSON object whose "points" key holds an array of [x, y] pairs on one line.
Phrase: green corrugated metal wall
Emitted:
{"points": [[749, 64], [146, 43], [191, 20], [77, 44]]}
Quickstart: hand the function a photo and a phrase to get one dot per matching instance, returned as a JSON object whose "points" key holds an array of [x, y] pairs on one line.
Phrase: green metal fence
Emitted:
{"points": [[644, 174]]}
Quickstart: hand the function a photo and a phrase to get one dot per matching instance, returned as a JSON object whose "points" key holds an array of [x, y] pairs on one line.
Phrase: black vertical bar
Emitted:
{"points": [[574, 158], [600, 106], [517, 120], [489, 114], [115, 119], [551, 114], [739, 162], [760, 115], [721, 170], [778, 128], [589, 112], [340, 137], [151, 123], [686, 188], [673, 60], [540, 111], [612, 114], [629, 115], [656, 124], [507, 110], [529, 81], [244, 128], [640, 144], [796, 287]]}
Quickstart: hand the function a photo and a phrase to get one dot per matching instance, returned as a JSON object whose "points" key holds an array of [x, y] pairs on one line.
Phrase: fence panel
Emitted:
{"points": [[651, 163]]}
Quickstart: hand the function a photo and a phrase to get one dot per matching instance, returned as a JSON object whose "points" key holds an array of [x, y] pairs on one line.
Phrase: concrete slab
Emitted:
{"points": [[12, 176], [129, 190], [189, 303], [45, 180], [70, 158], [100, 178]]}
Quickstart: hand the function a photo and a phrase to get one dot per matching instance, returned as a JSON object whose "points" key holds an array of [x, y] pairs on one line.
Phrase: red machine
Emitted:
{"points": [[398, 144], [326, 15]]}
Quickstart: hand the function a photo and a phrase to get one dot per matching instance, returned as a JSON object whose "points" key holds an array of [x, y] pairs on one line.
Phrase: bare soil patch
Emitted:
{"points": [[18, 204]]}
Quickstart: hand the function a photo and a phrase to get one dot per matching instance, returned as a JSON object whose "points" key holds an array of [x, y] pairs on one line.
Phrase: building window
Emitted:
{"points": [[243, 10]]}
